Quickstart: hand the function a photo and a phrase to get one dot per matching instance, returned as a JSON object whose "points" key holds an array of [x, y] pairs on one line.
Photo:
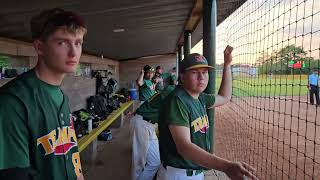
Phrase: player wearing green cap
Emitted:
{"points": [[184, 127]]}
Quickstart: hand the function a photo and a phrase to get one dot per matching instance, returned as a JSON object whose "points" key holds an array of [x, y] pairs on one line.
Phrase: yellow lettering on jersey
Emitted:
{"points": [[59, 140], [72, 134], [195, 124], [200, 123], [49, 142], [45, 142], [76, 163], [205, 121], [65, 134]]}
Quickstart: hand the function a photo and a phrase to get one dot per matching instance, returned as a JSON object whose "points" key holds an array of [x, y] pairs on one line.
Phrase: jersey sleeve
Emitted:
{"points": [[208, 99], [14, 136], [177, 113], [165, 75]]}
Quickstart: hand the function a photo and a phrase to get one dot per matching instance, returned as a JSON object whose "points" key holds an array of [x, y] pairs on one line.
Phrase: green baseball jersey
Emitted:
{"points": [[150, 108], [146, 90], [165, 75], [181, 109], [36, 130], [170, 78], [173, 79]]}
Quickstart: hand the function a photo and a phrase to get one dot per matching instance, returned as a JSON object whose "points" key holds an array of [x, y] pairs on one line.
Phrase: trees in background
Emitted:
{"points": [[288, 60]]}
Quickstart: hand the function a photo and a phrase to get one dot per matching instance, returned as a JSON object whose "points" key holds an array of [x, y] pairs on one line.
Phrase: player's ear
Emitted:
{"points": [[180, 78], [38, 46]]}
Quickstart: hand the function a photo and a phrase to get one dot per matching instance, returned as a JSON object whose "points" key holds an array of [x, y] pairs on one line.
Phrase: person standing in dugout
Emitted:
{"points": [[37, 136], [184, 140], [145, 84]]}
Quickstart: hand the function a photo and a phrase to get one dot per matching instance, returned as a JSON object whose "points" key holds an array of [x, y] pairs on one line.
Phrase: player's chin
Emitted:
{"points": [[201, 88], [70, 69]]}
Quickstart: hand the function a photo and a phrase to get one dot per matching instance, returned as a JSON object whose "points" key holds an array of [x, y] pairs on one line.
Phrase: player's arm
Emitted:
{"points": [[14, 138], [139, 81], [190, 151], [81, 177], [225, 90]]}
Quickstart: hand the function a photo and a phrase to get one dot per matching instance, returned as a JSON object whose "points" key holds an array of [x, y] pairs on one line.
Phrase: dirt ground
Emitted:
{"points": [[279, 136]]}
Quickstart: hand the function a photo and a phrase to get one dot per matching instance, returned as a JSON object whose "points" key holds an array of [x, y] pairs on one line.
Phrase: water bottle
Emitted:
{"points": [[89, 124]]}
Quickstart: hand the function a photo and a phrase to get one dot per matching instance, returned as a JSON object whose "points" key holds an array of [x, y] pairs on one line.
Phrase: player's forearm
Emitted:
{"points": [[139, 81], [201, 157], [225, 89], [81, 177]]}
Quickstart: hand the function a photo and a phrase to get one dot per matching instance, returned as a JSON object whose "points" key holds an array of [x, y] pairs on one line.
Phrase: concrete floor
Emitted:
{"points": [[113, 160]]}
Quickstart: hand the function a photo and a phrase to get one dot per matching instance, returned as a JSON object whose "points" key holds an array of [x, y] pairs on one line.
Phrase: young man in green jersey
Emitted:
{"points": [[37, 135], [145, 84], [184, 127], [145, 145]]}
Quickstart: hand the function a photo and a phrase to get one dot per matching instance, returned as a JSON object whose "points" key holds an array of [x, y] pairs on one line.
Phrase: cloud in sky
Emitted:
{"points": [[263, 26]]}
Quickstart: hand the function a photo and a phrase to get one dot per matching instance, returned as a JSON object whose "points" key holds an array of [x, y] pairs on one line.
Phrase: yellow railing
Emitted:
{"points": [[84, 141]]}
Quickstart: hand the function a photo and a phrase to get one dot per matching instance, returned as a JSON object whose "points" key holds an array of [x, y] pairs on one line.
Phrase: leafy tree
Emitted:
{"points": [[4, 61], [279, 62]]}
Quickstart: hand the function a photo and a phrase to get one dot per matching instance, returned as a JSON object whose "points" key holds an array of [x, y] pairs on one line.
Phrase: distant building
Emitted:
{"points": [[241, 70]]}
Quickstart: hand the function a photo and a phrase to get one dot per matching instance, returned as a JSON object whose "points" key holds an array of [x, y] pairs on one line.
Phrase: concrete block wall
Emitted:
{"points": [[129, 70], [78, 89]]}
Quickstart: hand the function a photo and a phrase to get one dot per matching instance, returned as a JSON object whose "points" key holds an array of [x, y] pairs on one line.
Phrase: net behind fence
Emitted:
{"points": [[271, 122]]}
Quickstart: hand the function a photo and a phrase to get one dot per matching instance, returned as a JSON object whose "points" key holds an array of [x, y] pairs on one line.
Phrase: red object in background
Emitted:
{"points": [[297, 65]]}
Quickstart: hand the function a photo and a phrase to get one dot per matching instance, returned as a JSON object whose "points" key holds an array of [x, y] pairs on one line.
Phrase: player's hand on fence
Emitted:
{"points": [[240, 170], [228, 55]]}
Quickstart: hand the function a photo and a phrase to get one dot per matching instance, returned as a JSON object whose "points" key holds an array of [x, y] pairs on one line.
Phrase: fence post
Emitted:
{"points": [[209, 51]]}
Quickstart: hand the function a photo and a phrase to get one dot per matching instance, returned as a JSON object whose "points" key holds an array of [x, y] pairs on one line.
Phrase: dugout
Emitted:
{"points": [[122, 37]]}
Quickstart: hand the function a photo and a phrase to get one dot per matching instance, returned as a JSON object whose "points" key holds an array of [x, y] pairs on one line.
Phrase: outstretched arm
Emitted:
{"points": [[225, 91]]}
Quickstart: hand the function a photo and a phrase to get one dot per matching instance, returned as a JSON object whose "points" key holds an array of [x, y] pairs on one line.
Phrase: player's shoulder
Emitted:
{"points": [[178, 95], [22, 87], [23, 81]]}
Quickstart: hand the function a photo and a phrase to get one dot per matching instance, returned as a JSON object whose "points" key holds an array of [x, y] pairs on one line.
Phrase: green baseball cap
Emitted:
{"points": [[148, 68], [193, 61]]}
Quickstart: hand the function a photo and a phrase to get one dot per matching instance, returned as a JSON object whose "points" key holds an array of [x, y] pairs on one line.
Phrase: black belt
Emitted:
{"points": [[189, 172], [148, 120]]}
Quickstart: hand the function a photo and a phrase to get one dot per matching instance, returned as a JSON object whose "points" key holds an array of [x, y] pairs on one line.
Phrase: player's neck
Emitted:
{"points": [[193, 94], [49, 76]]}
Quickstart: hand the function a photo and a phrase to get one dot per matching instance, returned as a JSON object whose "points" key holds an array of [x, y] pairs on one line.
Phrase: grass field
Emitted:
{"points": [[277, 85]]}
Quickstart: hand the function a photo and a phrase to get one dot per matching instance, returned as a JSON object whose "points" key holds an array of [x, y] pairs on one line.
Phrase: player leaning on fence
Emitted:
{"points": [[184, 126], [37, 136]]}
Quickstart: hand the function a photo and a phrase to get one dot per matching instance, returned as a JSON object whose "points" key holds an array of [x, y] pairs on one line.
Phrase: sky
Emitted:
{"points": [[263, 26]]}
